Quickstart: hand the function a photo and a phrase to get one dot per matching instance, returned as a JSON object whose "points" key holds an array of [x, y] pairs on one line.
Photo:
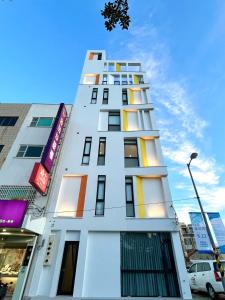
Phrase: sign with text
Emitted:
{"points": [[219, 229], [200, 233], [54, 138], [39, 178], [12, 213]]}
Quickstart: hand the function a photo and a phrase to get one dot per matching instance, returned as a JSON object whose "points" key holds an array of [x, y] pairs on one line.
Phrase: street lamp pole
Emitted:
{"points": [[215, 251]]}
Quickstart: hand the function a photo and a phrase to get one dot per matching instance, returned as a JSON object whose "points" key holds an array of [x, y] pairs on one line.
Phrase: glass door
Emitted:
{"points": [[68, 268]]}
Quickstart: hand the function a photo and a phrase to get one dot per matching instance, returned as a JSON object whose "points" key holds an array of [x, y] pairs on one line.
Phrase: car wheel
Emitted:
{"points": [[211, 292]]}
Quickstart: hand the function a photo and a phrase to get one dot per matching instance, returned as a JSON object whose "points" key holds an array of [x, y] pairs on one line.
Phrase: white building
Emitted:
{"points": [[111, 230], [24, 132]]}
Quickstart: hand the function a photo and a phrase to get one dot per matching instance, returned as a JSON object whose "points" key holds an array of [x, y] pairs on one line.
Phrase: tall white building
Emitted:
{"points": [[111, 230]]}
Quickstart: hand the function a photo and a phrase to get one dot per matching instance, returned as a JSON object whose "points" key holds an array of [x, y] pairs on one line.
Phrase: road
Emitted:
{"points": [[202, 296]]}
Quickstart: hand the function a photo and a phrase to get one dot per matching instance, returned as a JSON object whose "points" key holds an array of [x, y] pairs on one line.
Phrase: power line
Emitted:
{"points": [[121, 206]]}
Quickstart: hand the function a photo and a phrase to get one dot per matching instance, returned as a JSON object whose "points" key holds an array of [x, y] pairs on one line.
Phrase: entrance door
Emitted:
{"points": [[68, 268]]}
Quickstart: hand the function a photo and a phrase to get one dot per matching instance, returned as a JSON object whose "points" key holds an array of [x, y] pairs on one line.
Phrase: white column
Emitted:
{"points": [[180, 267], [80, 269]]}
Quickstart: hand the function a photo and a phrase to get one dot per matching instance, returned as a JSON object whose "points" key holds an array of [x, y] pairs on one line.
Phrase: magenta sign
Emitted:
{"points": [[12, 212], [54, 138]]}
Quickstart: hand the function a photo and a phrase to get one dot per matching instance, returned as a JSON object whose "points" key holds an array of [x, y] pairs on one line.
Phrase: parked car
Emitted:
{"points": [[204, 276]]}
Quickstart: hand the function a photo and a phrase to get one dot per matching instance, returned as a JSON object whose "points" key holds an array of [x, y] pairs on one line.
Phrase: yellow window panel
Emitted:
{"points": [[140, 198]]}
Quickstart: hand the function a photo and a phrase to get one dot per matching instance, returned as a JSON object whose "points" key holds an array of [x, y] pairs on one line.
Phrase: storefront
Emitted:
{"points": [[16, 249], [17, 246]]}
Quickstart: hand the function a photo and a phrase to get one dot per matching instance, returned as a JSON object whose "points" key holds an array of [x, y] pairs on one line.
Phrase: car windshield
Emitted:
{"points": [[216, 267]]}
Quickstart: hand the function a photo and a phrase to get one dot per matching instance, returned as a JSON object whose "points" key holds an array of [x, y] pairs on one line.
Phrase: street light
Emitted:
{"points": [[193, 156]]}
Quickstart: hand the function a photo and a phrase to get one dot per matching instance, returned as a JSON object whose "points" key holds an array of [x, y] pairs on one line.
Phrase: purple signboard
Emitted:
{"points": [[12, 213], [54, 137]]}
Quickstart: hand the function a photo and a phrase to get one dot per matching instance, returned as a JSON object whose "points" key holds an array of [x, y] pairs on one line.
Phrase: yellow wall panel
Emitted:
{"points": [[136, 79], [144, 158], [125, 120], [118, 67], [131, 96], [140, 197]]}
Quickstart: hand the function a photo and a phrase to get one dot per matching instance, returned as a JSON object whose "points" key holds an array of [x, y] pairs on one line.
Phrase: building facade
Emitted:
{"points": [[111, 231], [24, 132]]}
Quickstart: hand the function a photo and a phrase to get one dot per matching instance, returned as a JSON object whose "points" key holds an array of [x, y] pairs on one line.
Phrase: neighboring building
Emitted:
{"points": [[24, 132], [188, 241], [111, 231], [189, 245], [11, 119]]}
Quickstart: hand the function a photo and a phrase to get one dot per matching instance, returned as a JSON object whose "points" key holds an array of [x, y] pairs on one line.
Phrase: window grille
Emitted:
{"points": [[8, 192]]}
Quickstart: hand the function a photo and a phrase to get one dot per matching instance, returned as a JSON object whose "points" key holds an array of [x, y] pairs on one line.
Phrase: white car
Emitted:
{"points": [[204, 276]]}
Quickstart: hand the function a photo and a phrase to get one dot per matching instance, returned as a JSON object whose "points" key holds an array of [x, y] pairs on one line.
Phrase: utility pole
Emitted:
{"points": [[215, 250]]}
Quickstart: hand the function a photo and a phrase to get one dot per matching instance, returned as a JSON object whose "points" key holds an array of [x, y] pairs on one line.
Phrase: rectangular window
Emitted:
{"points": [[1, 147], [101, 151], [104, 79], [42, 122], [147, 265], [8, 121], [105, 96], [124, 96], [94, 96], [87, 151], [99, 56], [116, 79], [100, 198], [129, 196], [114, 121], [131, 153], [130, 79], [30, 151]]}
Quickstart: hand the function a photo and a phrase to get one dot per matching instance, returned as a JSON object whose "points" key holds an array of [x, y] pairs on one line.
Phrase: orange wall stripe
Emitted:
{"points": [[81, 197], [91, 56], [97, 79]]}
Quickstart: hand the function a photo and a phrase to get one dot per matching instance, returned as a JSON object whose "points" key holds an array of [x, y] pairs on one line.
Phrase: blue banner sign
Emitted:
{"points": [[200, 233], [219, 229]]}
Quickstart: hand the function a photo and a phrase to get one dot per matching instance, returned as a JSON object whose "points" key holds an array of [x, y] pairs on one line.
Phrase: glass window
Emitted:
{"points": [[192, 269], [94, 96], [8, 121], [1, 147], [30, 151], [130, 79], [104, 79], [86, 151], [116, 79], [129, 197], [200, 267], [206, 267], [147, 265], [42, 122], [33, 151], [124, 96], [105, 96], [131, 153], [114, 121], [111, 67], [100, 197], [101, 151]]}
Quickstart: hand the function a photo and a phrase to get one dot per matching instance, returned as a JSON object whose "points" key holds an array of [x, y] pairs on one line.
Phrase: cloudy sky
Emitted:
{"points": [[182, 45]]}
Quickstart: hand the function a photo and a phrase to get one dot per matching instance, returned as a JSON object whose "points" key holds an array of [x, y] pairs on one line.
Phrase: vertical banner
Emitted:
{"points": [[219, 229], [54, 138], [200, 233]]}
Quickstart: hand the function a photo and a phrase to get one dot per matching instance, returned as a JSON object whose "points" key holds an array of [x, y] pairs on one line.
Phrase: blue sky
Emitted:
{"points": [[182, 44]]}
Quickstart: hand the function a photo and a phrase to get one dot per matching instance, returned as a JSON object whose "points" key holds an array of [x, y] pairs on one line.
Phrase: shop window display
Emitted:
{"points": [[12, 253]]}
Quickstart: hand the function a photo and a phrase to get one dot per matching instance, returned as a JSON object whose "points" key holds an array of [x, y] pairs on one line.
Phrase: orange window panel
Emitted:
{"points": [[91, 56], [81, 197], [97, 79]]}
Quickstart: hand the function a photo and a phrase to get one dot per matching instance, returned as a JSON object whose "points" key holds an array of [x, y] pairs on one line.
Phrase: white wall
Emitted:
{"points": [[102, 267]]}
